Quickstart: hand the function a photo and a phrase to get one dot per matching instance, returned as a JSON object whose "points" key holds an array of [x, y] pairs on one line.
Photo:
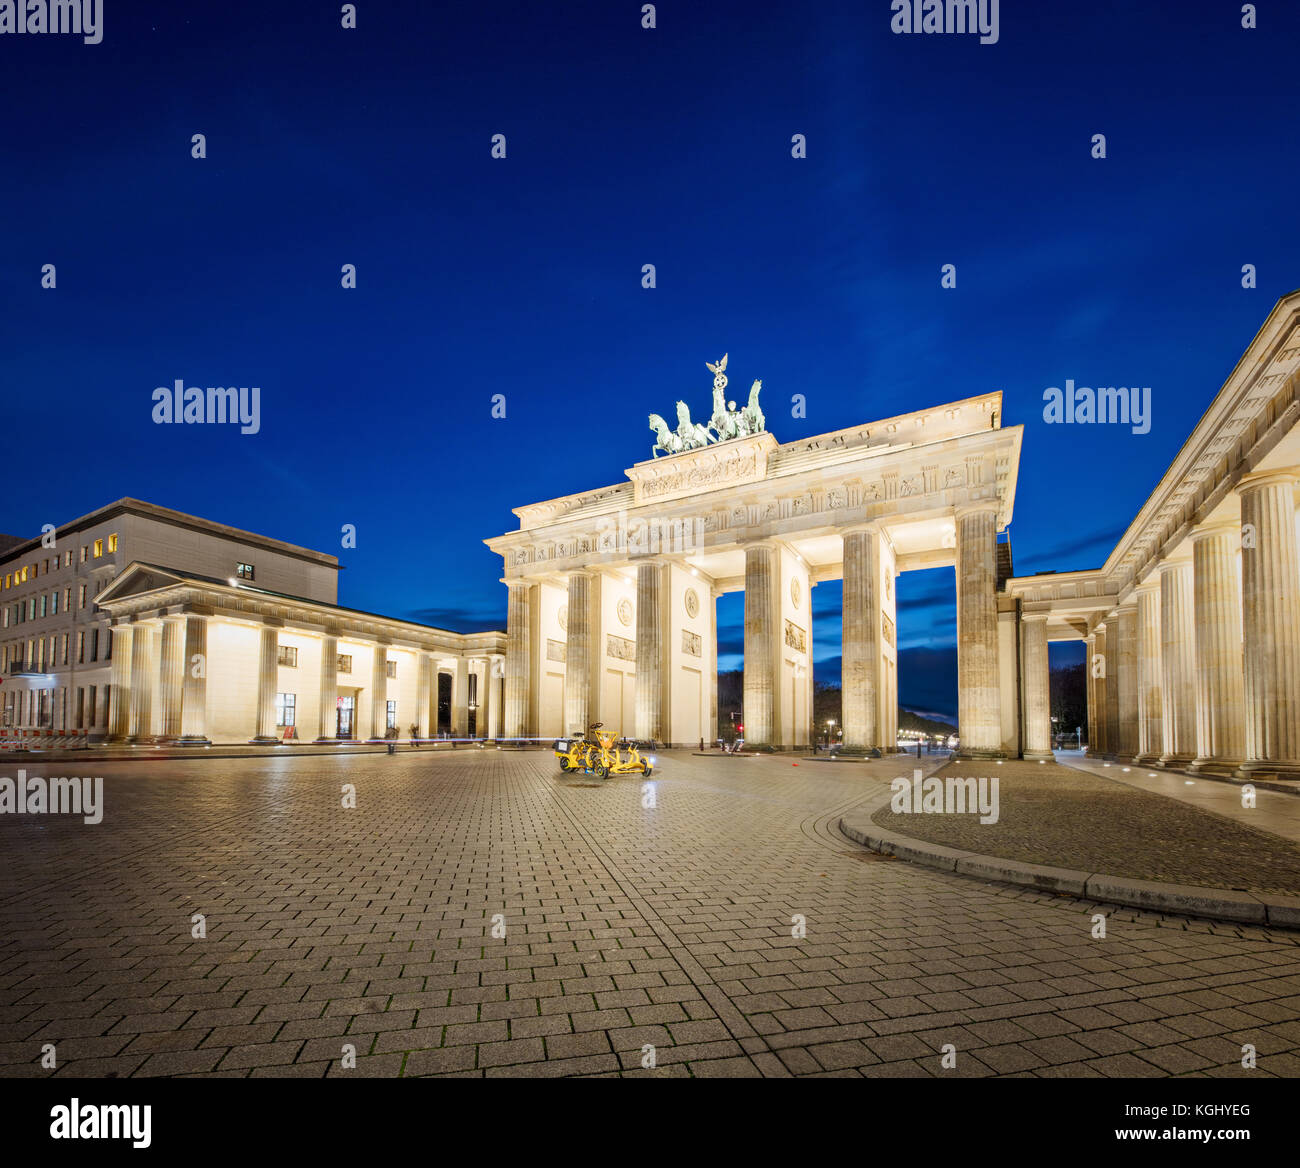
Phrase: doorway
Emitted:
{"points": [[347, 709]]}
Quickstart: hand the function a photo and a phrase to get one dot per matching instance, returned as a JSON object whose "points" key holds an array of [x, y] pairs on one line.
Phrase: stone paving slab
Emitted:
{"points": [[726, 930], [1055, 816]]}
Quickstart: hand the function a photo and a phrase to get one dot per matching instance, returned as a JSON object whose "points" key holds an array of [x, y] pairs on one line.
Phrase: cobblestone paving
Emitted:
{"points": [[627, 926], [1056, 815]]}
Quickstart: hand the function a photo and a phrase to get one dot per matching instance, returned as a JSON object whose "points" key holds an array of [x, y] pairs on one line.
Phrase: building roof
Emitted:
{"points": [[178, 519]]}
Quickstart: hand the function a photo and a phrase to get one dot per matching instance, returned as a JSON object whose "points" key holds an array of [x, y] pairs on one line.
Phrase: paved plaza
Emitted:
{"points": [[627, 927]]}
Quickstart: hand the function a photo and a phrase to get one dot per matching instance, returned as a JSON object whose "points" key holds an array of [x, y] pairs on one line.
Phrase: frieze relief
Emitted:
{"points": [[795, 637], [556, 650], [620, 648], [691, 644]]}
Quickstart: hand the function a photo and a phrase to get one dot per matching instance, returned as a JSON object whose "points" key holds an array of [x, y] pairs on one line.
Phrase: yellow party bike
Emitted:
{"points": [[599, 754]]}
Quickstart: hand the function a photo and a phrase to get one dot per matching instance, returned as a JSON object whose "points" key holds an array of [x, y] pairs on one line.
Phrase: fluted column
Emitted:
{"points": [[1177, 662], [483, 673], [1099, 671], [979, 703], [1125, 655], [424, 693], [1151, 742], [651, 651], [142, 671], [1270, 580], [496, 704], [327, 728], [119, 706], [379, 692], [860, 661], [518, 679], [268, 675], [577, 655], [1111, 682], [1220, 687], [460, 698], [1090, 686], [172, 677], [1036, 683], [760, 644], [194, 691]]}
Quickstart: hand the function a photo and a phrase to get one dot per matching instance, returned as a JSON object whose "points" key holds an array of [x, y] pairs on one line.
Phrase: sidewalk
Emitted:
{"points": [[114, 753]]}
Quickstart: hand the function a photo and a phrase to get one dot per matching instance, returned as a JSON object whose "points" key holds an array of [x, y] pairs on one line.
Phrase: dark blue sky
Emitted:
{"points": [[522, 276]]}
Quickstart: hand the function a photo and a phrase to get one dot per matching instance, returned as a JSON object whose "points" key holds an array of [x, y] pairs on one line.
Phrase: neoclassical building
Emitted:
{"points": [[612, 592], [198, 660], [1193, 622]]}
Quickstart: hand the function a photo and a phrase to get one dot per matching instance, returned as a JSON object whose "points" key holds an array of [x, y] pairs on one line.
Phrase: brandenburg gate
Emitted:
{"points": [[612, 591]]}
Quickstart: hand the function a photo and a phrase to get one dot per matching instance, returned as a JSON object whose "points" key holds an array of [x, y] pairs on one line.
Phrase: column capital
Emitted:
{"points": [[978, 508], [862, 527], [1219, 527], [1267, 478], [1150, 584], [1173, 563], [1044, 617]]}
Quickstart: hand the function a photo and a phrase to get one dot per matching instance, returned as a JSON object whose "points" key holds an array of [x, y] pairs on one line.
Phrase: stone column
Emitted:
{"points": [[1124, 655], [194, 684], [760, 644], [1220, 688], [860, 661], [424, 693], [1098, 670], [1036, 687], [518, 699], [142, 669], [1090, 686], [979, 704], [379, 692], [327, 729], [483, 673], [1270, 580], [1177, 662], [651, 652], [1111, 684], [119, 705], [460, 699], [1151, 742], [172, 677], [577, 655], [496, 705], [268, 679]]}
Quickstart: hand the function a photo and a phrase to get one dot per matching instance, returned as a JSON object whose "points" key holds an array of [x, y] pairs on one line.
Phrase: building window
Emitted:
{"points": [[67, 558], [54, 603], [391, 724], [81, 596], [94, 644], [390, 668], [108, 656], [288, 656], [244, 571], [84, 550], [67, 599], [81, 648], [64, 654], [286, 707], [90, 703], [99, 548], [345, 663], [112, 543], [44, 603], [81, 707]]}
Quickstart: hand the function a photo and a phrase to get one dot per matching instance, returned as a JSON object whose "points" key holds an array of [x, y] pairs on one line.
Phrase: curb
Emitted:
{"points": [[1221, 904]]}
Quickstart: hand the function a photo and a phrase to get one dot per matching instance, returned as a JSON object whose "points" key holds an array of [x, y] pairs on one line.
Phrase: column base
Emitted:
{"points": [[325, 741], [976, 754], [193, 740], [1267, 769], [1174, 762], [858, 751], [1038, 756], [263, 740], [1220, 767]]}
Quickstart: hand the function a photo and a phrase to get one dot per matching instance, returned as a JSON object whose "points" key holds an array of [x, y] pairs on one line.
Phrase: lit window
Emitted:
{"points": [[286, 709], [288, 656], [99, 548], [345, 663], [112, 544], [244, 571], [392, 716]]}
